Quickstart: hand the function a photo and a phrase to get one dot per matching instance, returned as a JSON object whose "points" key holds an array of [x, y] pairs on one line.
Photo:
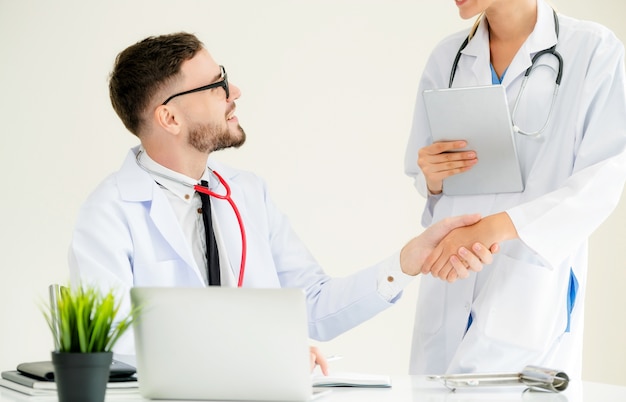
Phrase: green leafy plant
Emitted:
{"points": [[83, 320]]}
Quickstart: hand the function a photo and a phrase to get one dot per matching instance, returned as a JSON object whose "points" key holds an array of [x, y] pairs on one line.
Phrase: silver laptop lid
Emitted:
{"points": [[222, 343]]}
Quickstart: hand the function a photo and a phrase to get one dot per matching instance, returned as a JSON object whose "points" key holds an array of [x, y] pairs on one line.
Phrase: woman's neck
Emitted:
{"points": [[510, 21], [510, 24]]}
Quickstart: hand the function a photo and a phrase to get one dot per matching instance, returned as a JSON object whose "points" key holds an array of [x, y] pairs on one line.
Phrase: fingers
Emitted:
{"points": [[447, 164], [317, 358], [434, 263], [458, 267], [427, 266], [453, 276], [452, 270], [460, 270], [455, 268], [483, 254], [475, 259], [441, 268], [454, 222], [440, 147], [444, 159]]}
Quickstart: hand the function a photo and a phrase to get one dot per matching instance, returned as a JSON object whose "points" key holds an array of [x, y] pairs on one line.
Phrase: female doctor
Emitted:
{"points": [[527, 307]]}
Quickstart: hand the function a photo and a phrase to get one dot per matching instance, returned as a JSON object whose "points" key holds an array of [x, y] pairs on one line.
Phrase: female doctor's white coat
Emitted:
{"points": [[127, 235], [527, 307]]}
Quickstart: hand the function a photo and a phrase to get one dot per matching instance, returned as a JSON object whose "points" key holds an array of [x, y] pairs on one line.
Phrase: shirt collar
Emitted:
{"points": [[177, 183], [542, 37]]}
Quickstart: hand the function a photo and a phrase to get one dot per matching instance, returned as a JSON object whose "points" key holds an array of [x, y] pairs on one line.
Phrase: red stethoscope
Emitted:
{"points": [[227, 197]]}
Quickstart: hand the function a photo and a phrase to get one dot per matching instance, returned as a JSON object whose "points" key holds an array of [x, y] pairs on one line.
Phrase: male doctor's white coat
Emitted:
{"points": [[527, 307], [128, 235]]}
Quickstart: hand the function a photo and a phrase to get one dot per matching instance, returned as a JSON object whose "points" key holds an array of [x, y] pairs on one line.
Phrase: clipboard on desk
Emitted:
{"points": [[533, 377], [479, 115]]}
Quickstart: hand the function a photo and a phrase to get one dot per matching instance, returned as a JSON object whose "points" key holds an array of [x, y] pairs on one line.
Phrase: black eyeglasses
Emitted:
{"points": [[221, 83]]}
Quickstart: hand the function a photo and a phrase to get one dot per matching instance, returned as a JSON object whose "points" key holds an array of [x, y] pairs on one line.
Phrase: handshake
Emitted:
{"points": [[452, 247]]}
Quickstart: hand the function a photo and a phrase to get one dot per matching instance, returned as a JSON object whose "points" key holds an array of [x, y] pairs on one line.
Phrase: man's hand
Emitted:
{"points": [[318, 359], [416, 256]]}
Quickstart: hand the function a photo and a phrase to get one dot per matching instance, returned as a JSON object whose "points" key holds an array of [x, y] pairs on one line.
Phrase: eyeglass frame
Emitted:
{"points": [[221, 83]]}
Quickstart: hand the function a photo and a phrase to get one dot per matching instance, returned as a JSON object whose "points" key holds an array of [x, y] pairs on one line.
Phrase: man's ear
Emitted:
{"points": [[166, 116]]}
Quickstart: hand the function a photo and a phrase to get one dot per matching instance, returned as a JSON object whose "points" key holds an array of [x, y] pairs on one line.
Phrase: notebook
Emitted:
{"points": [[479, 115], [221, 343]]}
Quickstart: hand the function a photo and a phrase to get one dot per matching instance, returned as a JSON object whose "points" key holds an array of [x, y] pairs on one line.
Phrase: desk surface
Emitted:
{"points": [[416, 389]]}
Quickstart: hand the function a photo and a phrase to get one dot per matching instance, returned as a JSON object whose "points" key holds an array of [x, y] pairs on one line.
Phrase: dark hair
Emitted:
{"points": [[143, 68]]}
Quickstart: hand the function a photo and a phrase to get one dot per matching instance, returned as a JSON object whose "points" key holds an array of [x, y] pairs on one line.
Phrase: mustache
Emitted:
{"points": [[231, 110]]}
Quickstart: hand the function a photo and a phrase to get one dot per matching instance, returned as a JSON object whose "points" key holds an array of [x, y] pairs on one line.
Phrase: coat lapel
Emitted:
{"points": [[474, 65], [542, 37], [136, 185]]}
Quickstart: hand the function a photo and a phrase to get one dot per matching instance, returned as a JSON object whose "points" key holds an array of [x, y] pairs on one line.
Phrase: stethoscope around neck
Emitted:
{"points": [[549, 51], [207, 191]]}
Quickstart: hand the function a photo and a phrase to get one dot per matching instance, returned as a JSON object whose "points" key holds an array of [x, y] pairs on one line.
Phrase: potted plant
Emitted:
{"points": [[85, 326]]}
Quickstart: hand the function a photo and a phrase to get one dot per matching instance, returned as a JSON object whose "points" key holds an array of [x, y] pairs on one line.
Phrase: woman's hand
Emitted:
{"points": [[443, 159]]}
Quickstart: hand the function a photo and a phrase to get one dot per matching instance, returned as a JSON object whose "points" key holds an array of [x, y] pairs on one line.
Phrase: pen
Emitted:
{"points": [[54, 293], [333, 358]]}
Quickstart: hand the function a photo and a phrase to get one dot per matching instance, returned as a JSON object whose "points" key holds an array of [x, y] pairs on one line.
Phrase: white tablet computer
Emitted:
{"points": [[479, 115]]}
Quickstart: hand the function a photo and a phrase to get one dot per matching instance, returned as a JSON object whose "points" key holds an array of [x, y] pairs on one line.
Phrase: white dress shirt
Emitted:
{"points": [[187, 206]]}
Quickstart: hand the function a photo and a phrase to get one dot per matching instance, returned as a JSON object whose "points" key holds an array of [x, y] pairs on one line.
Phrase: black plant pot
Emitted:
{"points": [[81, 377]]}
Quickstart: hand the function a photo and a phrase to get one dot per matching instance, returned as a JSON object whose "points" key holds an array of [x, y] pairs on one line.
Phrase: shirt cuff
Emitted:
{"points": [[391, 279]]}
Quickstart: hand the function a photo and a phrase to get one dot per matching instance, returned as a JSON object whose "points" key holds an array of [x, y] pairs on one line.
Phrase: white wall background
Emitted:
{"points": [[328, 89]]}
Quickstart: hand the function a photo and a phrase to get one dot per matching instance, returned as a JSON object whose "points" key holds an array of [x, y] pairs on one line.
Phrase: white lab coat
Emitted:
{"points": [[574, 177], [127, 235]]}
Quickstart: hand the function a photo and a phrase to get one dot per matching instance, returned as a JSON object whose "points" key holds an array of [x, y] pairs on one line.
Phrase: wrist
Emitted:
{"points": [[411, 259], [501, 226], [434, 192]]}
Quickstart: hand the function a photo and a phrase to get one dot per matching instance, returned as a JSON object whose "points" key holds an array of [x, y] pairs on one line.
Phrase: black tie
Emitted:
{"points": [[212, 255]]}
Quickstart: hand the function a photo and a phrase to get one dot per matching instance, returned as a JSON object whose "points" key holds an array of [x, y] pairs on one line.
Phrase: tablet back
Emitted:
{"points": [[479, 115], [221, 343]]}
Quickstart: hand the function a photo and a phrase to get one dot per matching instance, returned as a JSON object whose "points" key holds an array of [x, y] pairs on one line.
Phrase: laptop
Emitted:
{"points": [[221, 343], [480, 115]]}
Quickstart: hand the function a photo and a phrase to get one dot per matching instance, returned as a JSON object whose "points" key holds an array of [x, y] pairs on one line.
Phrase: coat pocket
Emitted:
{"points": [[430, 310], [524, 304]]}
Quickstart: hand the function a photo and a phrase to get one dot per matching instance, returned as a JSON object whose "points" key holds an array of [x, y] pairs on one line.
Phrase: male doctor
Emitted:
{"points": [[143, 225]]}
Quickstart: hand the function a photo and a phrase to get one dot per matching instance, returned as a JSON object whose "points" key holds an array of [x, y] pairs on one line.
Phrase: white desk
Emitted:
{"points": [[418, 389]]}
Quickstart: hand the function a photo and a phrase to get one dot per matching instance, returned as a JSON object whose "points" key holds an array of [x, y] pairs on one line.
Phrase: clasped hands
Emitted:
{"points": [[449, 249], [452, 247]]}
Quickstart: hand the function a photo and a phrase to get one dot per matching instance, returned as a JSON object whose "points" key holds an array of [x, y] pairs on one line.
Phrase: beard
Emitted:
{"points": [[214, 137]]}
